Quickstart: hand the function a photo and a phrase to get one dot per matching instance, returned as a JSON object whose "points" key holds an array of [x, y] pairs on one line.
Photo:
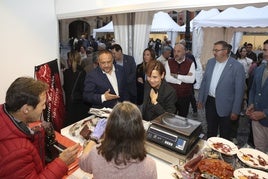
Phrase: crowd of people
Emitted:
{"points": [[101, 75], [224, 92]]}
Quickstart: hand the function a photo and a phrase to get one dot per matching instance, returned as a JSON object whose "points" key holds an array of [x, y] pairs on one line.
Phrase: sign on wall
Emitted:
{"points": [[54, 112]]}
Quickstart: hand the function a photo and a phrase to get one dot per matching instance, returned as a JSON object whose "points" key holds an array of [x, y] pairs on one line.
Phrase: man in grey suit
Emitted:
{"points": [[221, 91]]}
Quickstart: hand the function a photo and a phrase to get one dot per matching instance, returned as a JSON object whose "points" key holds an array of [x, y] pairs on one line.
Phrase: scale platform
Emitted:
{"points": [[170, 156], [174, 133]]}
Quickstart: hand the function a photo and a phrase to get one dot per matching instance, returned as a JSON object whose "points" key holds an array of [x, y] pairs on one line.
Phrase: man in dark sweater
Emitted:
{"points": [[180, 73]]}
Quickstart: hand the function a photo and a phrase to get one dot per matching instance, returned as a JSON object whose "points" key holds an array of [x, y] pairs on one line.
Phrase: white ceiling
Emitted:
{"points": [[82, 8]]}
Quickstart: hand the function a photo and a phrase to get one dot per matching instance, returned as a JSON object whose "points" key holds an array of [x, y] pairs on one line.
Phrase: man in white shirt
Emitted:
{"points": [[106, 84], [180, 73], [166, 52], [221, 91]]}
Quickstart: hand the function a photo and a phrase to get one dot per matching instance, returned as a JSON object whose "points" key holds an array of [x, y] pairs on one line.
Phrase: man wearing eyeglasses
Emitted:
{"points": [[258, 103], [221, 91]]}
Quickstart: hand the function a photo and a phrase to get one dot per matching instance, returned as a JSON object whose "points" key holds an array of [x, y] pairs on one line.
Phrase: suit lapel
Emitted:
{"points": [[261, 74], [210, 70], [226, 70]]}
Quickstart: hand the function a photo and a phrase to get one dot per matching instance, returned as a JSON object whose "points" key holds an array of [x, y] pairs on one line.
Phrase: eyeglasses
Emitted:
{"points": [[265, 49], [216, 50]]}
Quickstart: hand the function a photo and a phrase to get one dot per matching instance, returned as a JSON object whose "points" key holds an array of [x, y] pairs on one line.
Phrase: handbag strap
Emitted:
{"points": [[75, 83]]}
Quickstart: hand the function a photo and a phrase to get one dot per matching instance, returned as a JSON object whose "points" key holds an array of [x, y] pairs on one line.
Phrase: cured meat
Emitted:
{"points": [[216, 167], [85, 132], [192, 165], [225, 148]]}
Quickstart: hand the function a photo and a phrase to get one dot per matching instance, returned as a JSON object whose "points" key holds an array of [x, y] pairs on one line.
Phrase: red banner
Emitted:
{"points": [[54, 112]]}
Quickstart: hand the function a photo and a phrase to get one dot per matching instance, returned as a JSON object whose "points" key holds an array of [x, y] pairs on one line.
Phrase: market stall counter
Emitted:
{"points": [[215, 157], [165, 169]]}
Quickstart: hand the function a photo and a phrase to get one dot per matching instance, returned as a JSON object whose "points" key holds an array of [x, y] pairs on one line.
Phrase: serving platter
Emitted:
{"points": [[249, 173], [216, 168], [222, 145], [253, 158], [103, 112]]}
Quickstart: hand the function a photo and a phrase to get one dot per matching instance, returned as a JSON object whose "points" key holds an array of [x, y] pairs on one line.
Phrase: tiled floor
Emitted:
{"points": [[243, 130]]}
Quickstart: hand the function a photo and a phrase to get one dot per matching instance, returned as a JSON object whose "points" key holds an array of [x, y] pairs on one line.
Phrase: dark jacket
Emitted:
{"points": [[97, 83], [76, 108], [258, 94], [129, 66], [73, 86], [140, 73], [166, 101]]}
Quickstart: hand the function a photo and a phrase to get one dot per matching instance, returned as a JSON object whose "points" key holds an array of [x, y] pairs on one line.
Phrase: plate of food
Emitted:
{"points": [[222, 145], [253, 158], [245, 173], [84, 127]]}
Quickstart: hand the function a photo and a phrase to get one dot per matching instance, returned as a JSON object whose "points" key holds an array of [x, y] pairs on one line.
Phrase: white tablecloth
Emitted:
{"points": [[164, 169]]}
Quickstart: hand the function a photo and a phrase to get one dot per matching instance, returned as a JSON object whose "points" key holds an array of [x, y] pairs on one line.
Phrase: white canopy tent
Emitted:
{"points": [[196, 46], [200, 16], [107, 28], [197, 33], [141, 9], [229, 25], [162, 22], [232, 17]]}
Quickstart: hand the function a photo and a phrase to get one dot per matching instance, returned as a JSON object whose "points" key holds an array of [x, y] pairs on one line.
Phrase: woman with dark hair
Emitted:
{"points": [[159, 96], [148, 55], [121, 153], [73, 85]]}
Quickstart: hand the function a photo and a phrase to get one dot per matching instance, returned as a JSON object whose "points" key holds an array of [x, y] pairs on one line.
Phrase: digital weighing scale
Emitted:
{"points": [[174, 132]]}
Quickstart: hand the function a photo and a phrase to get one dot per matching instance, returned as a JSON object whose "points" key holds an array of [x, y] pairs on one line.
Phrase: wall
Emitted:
{"points": [[29, 37], [256, 40]]}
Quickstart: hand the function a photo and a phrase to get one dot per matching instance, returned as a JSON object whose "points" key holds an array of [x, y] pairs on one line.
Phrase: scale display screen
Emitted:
{"points": [[180, 144]]}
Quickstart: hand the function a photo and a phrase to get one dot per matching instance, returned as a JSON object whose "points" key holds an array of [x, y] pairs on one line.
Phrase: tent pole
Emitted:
{"points": [[187, 31]]}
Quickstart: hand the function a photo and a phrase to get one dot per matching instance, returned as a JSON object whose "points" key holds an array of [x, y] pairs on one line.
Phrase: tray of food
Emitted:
{"points": [[103, 112], [200, 167], [222, 145], [216, 167], [84, 128], [253, 158]]}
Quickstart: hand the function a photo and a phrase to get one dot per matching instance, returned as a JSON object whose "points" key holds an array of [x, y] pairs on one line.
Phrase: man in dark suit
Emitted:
{"points": [[106, 84], [221, 91], [129, 66]]}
